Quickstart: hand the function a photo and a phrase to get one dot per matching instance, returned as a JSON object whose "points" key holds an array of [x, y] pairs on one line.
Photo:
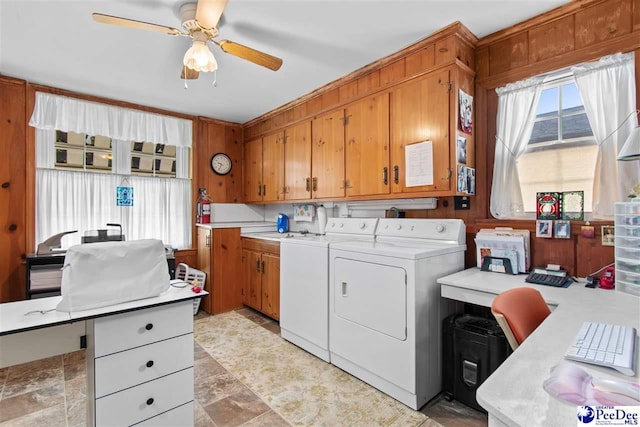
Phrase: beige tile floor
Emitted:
{"points": [[52, 392]]}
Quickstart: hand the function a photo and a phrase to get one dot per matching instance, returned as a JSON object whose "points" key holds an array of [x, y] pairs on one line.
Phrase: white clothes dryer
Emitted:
{"points": [[304, 282], [385, 312]]}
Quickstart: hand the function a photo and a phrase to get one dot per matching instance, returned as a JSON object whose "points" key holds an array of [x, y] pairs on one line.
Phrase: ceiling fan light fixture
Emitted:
{"points": [[200, 58]]}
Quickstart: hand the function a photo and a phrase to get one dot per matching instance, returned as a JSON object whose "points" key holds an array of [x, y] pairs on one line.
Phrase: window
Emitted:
{"points": [[561, 153], [83, 152], [153, 159]]}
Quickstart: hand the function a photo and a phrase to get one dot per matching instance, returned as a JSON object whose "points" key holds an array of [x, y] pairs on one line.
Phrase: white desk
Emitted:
{"points": [[513, 394]]}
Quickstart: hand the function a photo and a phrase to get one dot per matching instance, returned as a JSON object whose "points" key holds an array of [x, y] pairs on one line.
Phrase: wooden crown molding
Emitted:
{"points": [[457, 28]]}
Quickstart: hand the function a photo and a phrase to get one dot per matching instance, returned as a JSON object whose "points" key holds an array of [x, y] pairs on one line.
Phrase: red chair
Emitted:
{"points": [[519, 312]]}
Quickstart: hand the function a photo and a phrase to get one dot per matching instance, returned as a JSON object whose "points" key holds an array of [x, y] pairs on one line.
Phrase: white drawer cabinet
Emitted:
{"points": [[178, 417], [128, 368], [140, 366], [144, 401], [124, 331]]}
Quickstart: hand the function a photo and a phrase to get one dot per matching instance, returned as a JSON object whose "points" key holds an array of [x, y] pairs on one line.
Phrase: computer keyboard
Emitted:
{"points": [[607, 345]]}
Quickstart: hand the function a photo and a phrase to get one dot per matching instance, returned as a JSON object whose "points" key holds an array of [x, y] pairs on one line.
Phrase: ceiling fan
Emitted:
{"points": [[200, 22]]}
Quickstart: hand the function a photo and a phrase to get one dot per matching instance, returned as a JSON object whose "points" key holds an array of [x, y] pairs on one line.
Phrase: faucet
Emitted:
{"points": [[304, 232]]}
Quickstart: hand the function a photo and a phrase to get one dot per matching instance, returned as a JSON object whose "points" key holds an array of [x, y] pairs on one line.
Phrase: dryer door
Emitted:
{"points": [[372, 295]]}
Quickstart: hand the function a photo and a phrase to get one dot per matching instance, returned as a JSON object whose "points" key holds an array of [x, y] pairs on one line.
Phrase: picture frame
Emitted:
{"points": [[588, 231], [572, 205], [544, 228], [466, 111], [562, 229], [461, 149], [608, 235]]}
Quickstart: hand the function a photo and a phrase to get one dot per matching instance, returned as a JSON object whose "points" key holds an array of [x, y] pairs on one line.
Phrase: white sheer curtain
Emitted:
{"points": [[517, 105], [608, 91], [70, 200], [76, 200]]}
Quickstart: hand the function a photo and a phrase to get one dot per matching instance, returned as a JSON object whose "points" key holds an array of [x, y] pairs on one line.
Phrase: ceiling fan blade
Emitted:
{"points": [[131, 23], [188, 73], [208, 12], [255, 56]]}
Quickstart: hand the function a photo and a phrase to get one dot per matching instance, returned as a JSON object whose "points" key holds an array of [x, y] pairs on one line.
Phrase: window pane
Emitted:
{"points": [[571, 96], [557, 169], [548, 102], [576, 126], [544, 131]]}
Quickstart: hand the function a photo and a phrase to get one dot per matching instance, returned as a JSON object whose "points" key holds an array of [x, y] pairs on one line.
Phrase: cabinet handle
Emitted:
{"points": [[396, 174], [259, 190], [347, 183], [385, 175], [258, 266], [208, 241], [315, 183], [263, 266], [264, 189], [150, 401], [149, 363], [13, 227], [5, 184], [308, 184], [344, 289], [149, 326]]}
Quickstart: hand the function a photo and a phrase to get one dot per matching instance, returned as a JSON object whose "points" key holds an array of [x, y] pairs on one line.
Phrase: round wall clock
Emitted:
{"points": [[221, 163]]}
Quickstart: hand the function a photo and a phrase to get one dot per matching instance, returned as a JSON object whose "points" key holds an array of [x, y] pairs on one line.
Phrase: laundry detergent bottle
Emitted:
{"points": [[282, 223]]}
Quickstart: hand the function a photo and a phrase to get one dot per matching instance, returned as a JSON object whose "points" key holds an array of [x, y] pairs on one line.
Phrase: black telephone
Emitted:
{"points": [[552, 275]]}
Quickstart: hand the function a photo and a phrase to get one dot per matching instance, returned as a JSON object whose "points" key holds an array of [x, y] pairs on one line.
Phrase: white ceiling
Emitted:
{"points": [[57, 43]]}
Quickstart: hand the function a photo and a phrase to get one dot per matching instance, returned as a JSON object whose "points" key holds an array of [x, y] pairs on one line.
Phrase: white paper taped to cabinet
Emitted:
{"points": [[102, 274]]}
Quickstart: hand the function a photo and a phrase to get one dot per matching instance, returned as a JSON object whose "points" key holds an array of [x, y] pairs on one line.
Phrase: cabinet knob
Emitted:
{"points": [[150, 401], [13, 227], [149, 326], [5, 184], [149, 363]]}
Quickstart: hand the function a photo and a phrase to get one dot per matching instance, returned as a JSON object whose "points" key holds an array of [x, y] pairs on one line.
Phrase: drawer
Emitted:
{"points": [[129, 368], [133, 329], [147, 400], [180, 416]]}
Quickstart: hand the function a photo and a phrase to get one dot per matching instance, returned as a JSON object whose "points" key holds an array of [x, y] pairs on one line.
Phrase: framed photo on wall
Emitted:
{"points": [[544, 228], [608, 235], [562, 229]]}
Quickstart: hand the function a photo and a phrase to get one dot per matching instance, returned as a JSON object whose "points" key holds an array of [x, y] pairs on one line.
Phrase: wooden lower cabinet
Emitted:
{"points": [[219, 256], [261, 276]]}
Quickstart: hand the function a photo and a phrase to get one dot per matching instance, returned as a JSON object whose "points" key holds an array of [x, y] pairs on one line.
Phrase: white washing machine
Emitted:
{"points": [[385, 311], [304, 282]]}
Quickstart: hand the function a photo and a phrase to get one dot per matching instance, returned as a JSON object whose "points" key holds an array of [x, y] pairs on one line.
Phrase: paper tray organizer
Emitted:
{"points": [[190, 275]]}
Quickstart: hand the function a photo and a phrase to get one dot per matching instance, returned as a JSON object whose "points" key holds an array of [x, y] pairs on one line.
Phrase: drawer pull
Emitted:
{"points": [[150, 401], [149, 326], [149, 363]]}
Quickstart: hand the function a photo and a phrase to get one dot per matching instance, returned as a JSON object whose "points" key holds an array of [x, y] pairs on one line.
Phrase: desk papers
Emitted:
{"points": [[504, 243]]}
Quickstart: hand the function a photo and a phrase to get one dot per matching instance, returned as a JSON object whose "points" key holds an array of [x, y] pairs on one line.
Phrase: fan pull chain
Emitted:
{"points": [[185, 77], [215, 78]]}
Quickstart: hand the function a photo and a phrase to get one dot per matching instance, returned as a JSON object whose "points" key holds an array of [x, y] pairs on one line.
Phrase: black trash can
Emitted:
{"points": [[473, 347]]}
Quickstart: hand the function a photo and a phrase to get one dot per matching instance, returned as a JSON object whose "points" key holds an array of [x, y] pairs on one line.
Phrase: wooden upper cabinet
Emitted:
{"points": [[327, 155], [367, 146], [273, 167], [297, 162], [420, 112], [252, 168]]}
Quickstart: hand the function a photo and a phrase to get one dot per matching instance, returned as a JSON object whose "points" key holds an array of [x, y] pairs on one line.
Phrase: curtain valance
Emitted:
{"points": [[92, 118]]}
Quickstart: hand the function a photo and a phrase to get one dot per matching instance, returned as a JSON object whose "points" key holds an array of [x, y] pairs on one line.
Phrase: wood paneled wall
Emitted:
{"points": [[578, 32], [12, 189]]}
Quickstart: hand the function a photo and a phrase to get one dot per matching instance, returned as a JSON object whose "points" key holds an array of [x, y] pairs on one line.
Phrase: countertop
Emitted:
{"points": [[244, 226], [513, 394]]}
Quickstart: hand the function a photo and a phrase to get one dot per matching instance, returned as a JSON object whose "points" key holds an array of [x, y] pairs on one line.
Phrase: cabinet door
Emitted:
{"points": [[204, 264], [420, 112], [327, 155], [252, 165], [271, 285], [297, 162], [273, 167], [251, 279], [226, 262], [367, 140]]}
